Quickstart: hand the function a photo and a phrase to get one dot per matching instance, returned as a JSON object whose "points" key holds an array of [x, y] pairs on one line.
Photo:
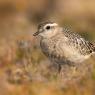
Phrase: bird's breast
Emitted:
{"points": [[52, 50], [47, 46]]}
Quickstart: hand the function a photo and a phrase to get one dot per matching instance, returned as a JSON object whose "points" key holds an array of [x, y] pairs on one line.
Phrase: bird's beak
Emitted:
{"points": [[36, 33]]}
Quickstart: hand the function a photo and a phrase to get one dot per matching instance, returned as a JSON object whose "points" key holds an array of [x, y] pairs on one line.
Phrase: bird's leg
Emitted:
{"points": [[59, 68], [55, 67]]}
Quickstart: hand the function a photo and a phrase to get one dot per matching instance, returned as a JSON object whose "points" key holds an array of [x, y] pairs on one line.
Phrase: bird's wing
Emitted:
{"points": [[85, 46]]}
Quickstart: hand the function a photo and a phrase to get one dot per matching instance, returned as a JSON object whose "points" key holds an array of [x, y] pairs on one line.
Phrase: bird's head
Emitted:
{"points": [[47, 29]]}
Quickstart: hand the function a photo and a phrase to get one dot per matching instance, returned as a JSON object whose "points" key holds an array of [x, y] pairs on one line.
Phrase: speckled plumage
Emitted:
{"points": [[63, 45]]}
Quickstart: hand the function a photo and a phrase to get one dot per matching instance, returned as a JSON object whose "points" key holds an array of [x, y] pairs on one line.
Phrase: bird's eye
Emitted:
{"points": [[47, 27]]}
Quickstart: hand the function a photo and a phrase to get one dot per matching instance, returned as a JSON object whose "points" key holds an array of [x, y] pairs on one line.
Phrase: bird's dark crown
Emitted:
{"points": [[43, 24]]}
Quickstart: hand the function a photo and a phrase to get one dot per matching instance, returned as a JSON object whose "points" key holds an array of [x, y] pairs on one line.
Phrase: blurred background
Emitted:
{"points": [[20, 17], [18, 48]]}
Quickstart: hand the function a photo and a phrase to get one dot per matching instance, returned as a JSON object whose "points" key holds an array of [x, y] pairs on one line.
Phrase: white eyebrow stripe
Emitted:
{"points": [[54, 24]]}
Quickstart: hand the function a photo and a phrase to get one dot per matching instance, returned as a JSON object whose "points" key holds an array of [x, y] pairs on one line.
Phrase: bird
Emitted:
{"points": [[63, 46]]}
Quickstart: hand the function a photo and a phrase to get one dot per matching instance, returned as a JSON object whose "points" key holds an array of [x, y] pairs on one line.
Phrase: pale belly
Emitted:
{"points": [[72, 54]]}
